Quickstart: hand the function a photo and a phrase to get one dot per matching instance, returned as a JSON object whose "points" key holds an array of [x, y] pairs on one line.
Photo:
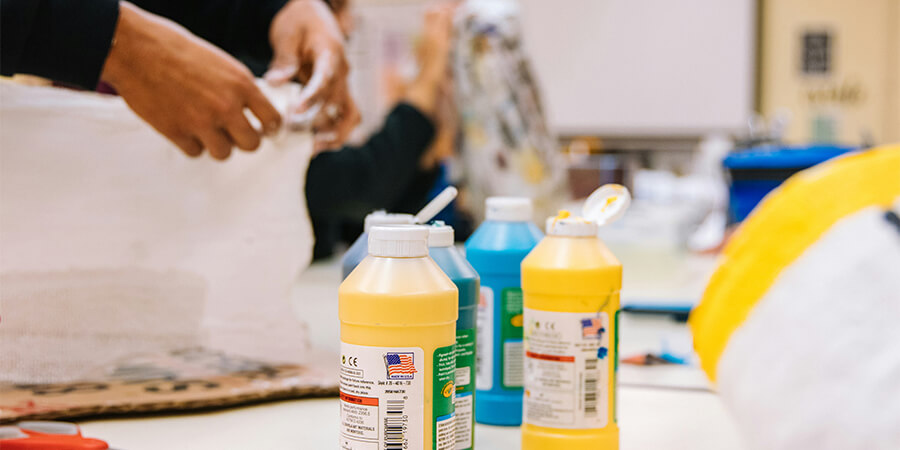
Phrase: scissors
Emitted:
{"points": [[47, 435]]}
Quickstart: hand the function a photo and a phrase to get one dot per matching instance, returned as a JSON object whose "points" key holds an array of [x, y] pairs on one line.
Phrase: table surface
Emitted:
{"points": [[649, 419], [660, 407]]}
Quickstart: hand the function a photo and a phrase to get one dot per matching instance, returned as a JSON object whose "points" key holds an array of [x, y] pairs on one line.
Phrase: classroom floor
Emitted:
{"points": [[667, 407]]}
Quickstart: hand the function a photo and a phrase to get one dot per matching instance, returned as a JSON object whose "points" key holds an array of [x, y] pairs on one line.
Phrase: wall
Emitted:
{"points": [[644, 67], [859, 98]]}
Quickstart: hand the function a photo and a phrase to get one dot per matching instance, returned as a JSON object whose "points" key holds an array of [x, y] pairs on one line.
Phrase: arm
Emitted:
{"points": [[63, 40], [396, 167], [296, 39], [190, 91], [353, 181], [240, 27]]}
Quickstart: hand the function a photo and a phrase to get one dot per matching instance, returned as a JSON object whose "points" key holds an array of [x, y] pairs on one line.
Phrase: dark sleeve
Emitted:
{"points": [[63, 40], [415, 196], [383, 173], [240, 27]]}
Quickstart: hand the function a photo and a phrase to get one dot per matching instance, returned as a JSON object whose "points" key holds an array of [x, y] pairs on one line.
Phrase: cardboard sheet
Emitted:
{"points": [[182, 380]]}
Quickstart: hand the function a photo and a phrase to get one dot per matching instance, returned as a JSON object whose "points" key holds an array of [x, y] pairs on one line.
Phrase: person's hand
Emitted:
{"points": [[424, 92], [307, 44], [189, 90], [434, 48]]}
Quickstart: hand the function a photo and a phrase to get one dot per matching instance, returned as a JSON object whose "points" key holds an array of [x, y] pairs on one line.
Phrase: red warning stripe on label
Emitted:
{"points": [[365, 401], [556, 358]]}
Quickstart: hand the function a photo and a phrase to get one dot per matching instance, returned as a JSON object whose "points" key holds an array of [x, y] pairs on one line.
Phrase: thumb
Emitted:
{"points": [[284, 66]]}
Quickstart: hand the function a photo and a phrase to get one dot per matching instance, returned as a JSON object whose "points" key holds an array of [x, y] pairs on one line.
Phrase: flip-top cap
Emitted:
{"points": [[607, 204], [508, 209], [398, 241], [382, 217], [440, 235], [571, 226]]}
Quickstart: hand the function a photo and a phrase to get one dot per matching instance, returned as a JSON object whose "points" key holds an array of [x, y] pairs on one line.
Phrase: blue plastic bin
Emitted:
{"points": [[755, 172]]}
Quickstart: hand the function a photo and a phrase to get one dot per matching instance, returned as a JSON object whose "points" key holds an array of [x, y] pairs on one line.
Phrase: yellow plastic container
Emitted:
{"points": [[571, 283], [398, 329]]}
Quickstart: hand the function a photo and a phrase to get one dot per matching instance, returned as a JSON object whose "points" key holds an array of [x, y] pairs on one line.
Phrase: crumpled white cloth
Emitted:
{"points": [[816, 365], [113, 242]]}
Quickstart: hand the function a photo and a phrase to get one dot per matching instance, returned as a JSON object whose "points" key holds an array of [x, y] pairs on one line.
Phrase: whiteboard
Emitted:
{"points": [[643, 67]]}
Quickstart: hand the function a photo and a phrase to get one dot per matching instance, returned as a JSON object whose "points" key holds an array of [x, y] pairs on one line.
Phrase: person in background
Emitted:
{"points": [[186, 85], [394, 168]]}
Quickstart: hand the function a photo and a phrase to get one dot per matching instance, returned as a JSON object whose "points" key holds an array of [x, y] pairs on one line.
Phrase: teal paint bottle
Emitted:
{"points": [[442, 250]]}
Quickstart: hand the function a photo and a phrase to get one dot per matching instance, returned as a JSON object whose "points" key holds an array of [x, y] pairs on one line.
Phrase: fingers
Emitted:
{"points": [[217, 143], [336, 122], [348, 121], [242, 133], [339, 131], [324, 79], [285, 63], [328, 86], [264, 111], [189, 145]]}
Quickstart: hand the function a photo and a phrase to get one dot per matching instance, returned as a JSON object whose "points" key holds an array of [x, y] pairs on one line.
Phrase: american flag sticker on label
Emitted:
{"points": [[382, 398], [567, 369], [400, 366], [592, 328]]}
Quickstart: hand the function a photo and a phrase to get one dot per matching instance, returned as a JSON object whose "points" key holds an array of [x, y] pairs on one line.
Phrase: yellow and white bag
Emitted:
{"points": [[799, 327]]}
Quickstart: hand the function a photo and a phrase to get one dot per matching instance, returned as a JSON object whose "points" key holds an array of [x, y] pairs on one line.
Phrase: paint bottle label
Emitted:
{"points": [[382, 397], [484, 354], [465, 387], [567, 369], [444, 391], [511, 337]]}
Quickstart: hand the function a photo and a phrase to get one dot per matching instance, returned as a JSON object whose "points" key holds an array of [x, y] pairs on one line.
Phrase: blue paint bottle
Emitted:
{"points": [[442, 250], [496, 251]]}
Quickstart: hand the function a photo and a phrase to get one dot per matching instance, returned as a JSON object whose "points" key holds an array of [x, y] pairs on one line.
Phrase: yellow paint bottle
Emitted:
{"points": [[398, 329], [571, 283]]}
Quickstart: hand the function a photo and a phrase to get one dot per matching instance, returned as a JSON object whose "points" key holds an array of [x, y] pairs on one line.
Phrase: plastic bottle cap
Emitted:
{"points": [[440, 235], [607, 204], [508, 209], [398, 241], [571, 226], [383, 218]]}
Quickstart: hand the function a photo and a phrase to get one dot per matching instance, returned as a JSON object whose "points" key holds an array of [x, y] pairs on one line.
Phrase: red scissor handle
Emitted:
{"points": [[46, 435]]}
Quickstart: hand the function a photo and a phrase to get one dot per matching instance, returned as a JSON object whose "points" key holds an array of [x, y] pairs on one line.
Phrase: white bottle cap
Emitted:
{"points": [[607, 204], [571, 226], [381, 217], [508, 209], [440, 235], [398, 241]]}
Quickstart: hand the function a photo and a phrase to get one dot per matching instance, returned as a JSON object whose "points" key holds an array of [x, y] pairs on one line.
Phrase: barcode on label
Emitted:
{"points": [[590, 387], [395, 425]]}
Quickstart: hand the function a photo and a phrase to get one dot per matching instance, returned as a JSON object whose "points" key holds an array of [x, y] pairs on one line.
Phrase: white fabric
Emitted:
{"points": [[817, 363], [114, 242]]}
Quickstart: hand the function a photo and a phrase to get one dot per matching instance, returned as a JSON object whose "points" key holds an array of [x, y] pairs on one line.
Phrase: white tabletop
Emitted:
{"points": [[661, 407], [649, 419]]}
